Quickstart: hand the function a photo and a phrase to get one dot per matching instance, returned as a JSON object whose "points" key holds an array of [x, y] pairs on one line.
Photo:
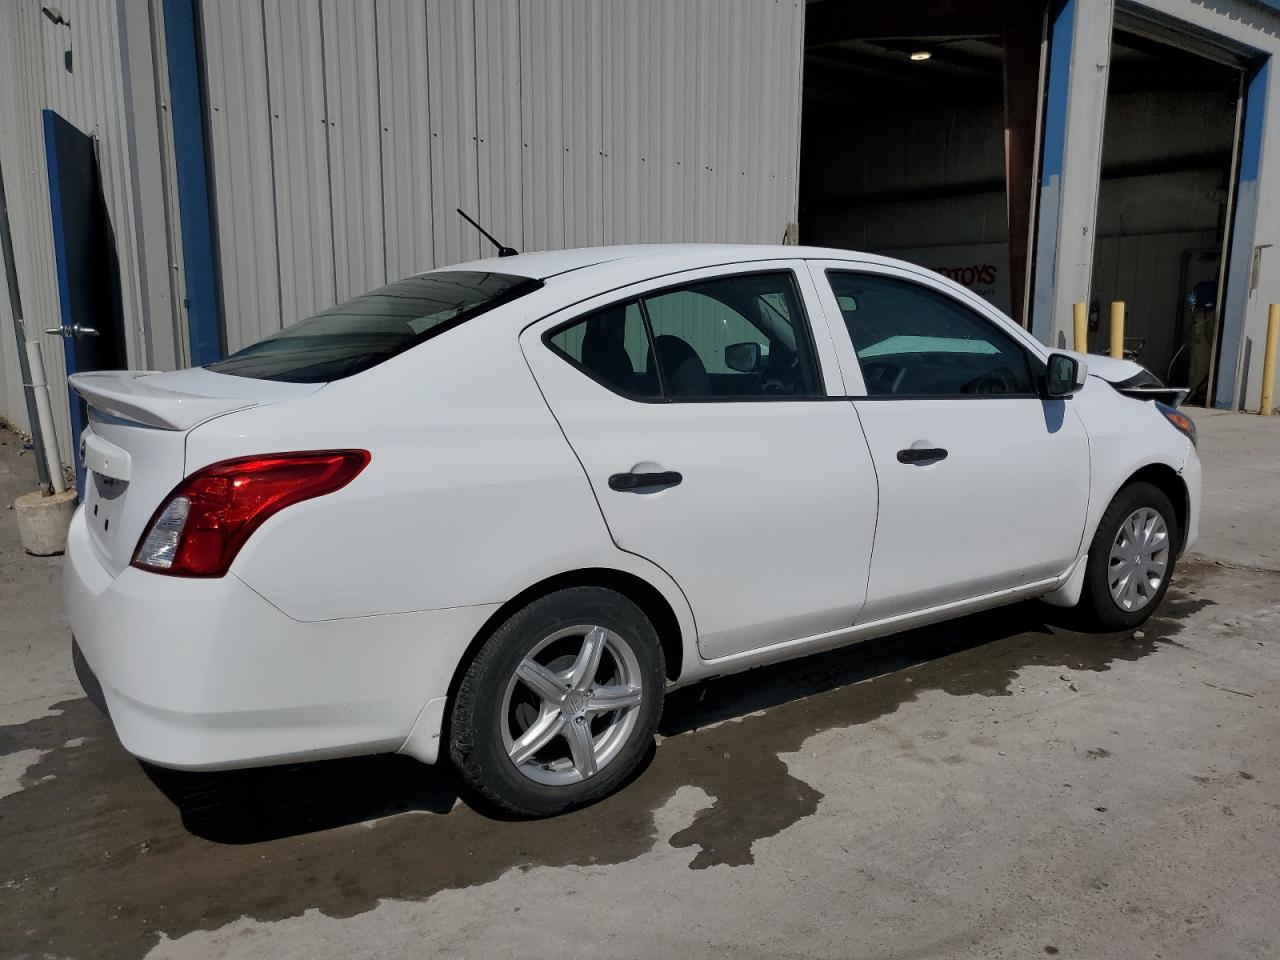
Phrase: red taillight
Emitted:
{"points": [[202, 525]]}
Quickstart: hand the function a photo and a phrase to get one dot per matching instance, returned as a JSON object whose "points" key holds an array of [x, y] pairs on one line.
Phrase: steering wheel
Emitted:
{"points": [[995, 382], [780, 373]]}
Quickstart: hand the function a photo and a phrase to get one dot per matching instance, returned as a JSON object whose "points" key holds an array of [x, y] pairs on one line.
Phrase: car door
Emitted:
{"points": [[983, 484], [717, 449]]}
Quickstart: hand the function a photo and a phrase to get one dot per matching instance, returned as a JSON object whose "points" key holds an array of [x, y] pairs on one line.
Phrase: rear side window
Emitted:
{"points": [[740, 337], [374, 327], [612, 347]]}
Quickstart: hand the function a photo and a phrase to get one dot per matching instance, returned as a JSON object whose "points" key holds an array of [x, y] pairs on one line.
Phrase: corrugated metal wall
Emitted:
{"points": [[77, 70], [343, 135]]}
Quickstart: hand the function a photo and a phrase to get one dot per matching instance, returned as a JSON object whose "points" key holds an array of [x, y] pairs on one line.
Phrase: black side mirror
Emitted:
{"points": [[1064, 375], [742, 357]]}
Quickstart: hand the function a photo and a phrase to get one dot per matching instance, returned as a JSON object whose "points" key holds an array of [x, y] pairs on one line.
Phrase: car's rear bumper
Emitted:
{"points": [[206, 674]]}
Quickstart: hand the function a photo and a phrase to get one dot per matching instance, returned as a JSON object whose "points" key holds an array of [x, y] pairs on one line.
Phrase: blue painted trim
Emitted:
{"points": [[1269, 4], [1243, 228], [186, 109], [1053, 152], [75, 405]]}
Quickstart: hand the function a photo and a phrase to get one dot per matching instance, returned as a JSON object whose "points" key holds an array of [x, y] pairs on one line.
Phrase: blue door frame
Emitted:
{"points": [[1061, 33], [1053, 148], [1226, 387], [204, 322]]}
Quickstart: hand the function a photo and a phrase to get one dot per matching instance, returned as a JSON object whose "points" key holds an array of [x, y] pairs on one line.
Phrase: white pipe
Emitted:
{"points": [[44, 413]]}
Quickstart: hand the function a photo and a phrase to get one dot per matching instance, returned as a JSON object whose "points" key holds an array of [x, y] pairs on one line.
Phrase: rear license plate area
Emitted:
{"points": [[104, 505]]}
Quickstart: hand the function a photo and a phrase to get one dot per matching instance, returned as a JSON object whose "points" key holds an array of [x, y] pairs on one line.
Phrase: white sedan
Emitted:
{"points": [[493, 512]]}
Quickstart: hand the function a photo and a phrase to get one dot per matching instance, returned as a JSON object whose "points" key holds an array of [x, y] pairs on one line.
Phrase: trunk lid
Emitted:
{"points": [[134, 444]]}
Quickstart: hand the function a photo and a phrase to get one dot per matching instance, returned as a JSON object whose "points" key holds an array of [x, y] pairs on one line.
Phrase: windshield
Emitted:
{"points": [[369, 329]]}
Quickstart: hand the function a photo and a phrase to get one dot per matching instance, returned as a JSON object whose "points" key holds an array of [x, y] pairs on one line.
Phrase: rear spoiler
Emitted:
{"points": [[126, 394]]}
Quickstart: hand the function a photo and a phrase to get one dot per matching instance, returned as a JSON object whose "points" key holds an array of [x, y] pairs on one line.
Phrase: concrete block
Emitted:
{"points": [[43, 521]]}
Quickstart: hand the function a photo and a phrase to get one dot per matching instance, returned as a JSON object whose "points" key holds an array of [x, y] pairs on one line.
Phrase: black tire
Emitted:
{"points": [[476, 744], [1096, 602]]}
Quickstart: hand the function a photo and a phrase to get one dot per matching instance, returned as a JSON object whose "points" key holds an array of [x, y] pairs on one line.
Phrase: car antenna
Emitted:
{"points": [[502, 251]]}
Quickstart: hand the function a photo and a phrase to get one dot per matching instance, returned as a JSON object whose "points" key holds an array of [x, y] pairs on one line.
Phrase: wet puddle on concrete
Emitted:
{"points": [[98, 854]]}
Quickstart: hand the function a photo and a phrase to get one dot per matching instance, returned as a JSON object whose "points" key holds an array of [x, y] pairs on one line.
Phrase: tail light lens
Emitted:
{"points": [[202, 525]]}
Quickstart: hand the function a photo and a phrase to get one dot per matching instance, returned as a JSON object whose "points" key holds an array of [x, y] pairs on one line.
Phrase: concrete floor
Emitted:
{"points": [[995, 787]]}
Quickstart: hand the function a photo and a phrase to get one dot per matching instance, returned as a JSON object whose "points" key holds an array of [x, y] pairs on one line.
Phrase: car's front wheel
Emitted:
{"points": [[560, 704], [1131, 559]]}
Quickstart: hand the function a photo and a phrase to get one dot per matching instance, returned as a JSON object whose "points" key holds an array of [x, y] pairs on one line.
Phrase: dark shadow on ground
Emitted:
{"points": [[725, 698], [269, 803]]}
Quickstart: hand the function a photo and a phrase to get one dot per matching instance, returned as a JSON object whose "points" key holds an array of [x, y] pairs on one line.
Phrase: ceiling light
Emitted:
{"points": [[921, 55]]}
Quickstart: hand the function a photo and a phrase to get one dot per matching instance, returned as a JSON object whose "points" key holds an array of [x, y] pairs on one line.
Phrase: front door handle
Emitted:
{"points": [[629, 482], [921, 455]]}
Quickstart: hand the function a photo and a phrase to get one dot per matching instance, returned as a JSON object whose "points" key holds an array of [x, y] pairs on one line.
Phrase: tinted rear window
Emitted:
{"points": [[363, 332]]}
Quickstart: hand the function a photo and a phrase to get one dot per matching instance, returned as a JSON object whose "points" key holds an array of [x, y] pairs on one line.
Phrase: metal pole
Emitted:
{"points": [[1117, 329], [20, 337], [44, 416], [1080, 320], [1269, 361]]}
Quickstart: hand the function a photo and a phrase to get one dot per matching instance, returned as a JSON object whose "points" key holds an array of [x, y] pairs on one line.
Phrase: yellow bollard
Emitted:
{"points": [[1269, 361], [1081, 317], [1117, 329]]}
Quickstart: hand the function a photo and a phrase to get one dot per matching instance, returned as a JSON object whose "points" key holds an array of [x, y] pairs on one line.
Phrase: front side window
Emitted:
{"points": [[374, 327], [914, 341], [731, 338]]}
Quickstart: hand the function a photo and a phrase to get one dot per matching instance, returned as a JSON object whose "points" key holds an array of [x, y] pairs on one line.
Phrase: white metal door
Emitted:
{"points": [[978, 493], [769, 529]]}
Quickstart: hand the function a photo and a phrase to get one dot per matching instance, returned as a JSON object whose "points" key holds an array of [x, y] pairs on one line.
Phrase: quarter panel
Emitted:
{"points": [[471, 495]]}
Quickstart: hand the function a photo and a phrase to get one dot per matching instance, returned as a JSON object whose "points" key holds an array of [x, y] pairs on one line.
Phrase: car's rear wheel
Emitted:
{"points": [[560, 704], [1132, 557]]}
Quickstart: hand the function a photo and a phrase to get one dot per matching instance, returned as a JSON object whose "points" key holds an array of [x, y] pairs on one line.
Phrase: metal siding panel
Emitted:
{"points": [[406, 136], [355, 151], [542, 178], [497, 68], [342, 137], [239, 144], [451, 94], [612, 85], [299, 159]]}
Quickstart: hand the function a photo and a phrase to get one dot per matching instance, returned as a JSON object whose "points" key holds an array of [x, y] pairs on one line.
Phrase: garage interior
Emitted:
{"points": [[918, 136], [1164, 202], [919, 140]]}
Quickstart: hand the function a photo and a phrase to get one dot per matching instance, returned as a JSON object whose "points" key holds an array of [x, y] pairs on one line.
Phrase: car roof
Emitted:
{"points": [[589, 271], [551, 263]]}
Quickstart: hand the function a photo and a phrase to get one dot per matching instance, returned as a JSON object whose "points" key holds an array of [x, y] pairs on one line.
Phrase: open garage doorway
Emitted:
{"points": [[918, 137], [1164, 201]]}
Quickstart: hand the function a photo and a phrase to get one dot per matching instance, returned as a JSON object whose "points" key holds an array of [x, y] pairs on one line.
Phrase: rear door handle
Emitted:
{"points": [[921, 455], [624, 482]]}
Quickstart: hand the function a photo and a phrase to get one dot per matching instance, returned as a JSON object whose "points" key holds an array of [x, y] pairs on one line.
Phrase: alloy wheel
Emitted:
{"points": [[571, 705]]}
